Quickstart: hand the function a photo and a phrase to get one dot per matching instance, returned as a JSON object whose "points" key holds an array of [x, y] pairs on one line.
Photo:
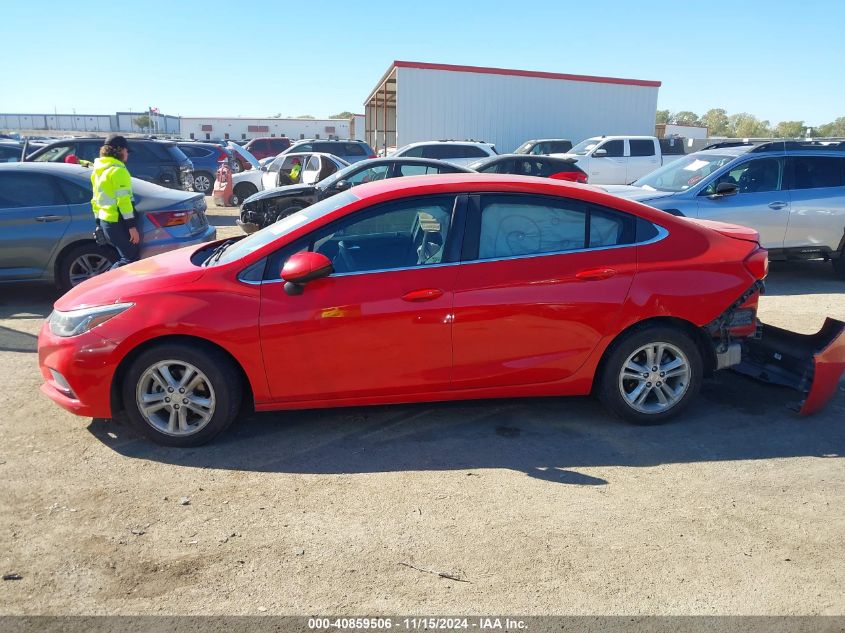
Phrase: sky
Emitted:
{"points": [[778, 61]]}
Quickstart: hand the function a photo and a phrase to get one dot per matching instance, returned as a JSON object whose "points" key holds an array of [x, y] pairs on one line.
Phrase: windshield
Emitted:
{"points": [[584, 146], [683, 173], [284, 226], [525, 148], [329, 181]]}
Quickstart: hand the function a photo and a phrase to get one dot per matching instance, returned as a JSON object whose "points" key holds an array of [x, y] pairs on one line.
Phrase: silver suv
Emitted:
{"points": [[791, 192]]}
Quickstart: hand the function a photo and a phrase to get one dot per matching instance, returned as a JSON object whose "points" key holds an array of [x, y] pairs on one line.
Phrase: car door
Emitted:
{"points": [[33, 218], [817, 202], [380, 324], [536, 290], [610, 169], [643, 158], [311, 170], [760, 201]]}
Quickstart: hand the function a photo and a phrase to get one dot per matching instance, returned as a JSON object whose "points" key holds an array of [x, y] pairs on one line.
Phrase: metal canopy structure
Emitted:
{"points": [[380, 112]]}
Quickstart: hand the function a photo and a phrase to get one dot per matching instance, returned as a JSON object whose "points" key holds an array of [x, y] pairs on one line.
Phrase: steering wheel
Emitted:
{"points": [[343, 261]]}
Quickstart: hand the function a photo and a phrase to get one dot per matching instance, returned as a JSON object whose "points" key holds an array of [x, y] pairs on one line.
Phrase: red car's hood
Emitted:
{"points": [[138, 278], [731, 230]]}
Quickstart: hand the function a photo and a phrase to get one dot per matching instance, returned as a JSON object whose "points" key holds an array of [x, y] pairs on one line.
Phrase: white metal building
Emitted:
{"points": [[203, 128], [416, 101]]}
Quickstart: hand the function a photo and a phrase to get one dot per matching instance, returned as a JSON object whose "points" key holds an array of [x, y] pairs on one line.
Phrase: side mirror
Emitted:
{"points": [[302, 268], [342, 185], [600, 153], [726, 189]]}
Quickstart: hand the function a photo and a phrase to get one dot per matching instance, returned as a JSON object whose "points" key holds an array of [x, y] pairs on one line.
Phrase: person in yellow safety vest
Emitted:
{"points": [[294, 171], [112, 201]]}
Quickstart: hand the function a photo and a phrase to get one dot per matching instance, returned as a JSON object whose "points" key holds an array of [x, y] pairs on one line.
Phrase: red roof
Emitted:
{"points": [[526, 73]]}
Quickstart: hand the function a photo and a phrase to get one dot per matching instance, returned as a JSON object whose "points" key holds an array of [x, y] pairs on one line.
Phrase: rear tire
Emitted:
{"points": [[203, 182], [651, 375], [82, 262], [181, 395]]}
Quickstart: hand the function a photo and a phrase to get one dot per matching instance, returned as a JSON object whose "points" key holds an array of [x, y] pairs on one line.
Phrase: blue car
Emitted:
{"points": [[206, 158], [46, 223], [791, 192]]}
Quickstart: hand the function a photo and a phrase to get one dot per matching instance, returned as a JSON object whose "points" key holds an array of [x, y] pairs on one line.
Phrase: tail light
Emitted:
{"points": [[162, 219], [372, 156], [221, 155], [758, 263], [571, 176]]}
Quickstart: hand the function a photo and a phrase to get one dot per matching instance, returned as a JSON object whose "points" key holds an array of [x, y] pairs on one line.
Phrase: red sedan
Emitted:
{"points": [[421, 289]]}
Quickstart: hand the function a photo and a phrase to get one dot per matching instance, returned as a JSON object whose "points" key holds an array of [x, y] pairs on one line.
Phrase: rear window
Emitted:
{"points": [[279, 144], [353, 149], [446, 151]]}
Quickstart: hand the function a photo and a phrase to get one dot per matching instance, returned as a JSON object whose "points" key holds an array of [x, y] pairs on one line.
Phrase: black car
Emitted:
{"points": [[543, 146], [266, 207], [159, 162], [525, 165]]}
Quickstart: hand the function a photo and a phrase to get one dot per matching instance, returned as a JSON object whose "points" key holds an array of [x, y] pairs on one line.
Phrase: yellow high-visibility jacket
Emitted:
{"points": [[112, 191]]}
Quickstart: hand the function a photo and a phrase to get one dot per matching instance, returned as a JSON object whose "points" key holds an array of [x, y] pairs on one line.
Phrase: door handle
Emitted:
{"points": [[49, 218], [595, 274], [426, 294], [777, 206]]}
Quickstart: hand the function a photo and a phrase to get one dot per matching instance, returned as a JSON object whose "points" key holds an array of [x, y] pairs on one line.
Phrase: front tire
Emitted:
{"points": [[181, 395], [651, 375], [242, 192]]}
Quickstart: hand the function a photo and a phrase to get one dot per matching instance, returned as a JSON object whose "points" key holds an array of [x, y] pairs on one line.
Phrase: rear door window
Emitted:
{"points": [[817, 172], [641, 147], [353, 149], [559, 147], [19, 190]]}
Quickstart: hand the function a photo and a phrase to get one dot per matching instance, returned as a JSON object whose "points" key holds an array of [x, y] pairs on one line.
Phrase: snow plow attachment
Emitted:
{"points": [[812, 364]]}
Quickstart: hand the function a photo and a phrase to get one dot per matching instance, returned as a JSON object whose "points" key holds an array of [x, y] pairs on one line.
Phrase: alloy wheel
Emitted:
{"points": [[87, 266], [175, 398], [654, 378], [202, 184]]}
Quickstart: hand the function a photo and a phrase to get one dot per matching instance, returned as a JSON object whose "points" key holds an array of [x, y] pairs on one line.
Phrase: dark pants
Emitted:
{"points": [[118, 235]]}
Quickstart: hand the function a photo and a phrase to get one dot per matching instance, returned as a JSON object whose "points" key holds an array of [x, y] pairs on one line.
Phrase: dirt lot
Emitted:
{"points": [[537, 507]]}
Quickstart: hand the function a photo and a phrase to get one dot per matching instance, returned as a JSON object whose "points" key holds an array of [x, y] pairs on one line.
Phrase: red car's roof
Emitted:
{"points": [[472, 182]]}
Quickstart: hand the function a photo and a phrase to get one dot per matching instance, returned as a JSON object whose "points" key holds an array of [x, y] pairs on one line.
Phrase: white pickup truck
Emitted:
{"points": [[619, 160]]}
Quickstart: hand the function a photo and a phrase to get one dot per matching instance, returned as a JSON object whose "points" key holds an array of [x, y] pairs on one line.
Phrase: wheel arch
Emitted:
{"points": [[698, 336], [116, 399], [62, 254]]}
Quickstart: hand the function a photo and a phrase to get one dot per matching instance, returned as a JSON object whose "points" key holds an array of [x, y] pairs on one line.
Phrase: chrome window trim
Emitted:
{"points": [[662, 233]]}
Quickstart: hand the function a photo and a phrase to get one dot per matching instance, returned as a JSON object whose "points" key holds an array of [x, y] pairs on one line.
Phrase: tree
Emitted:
{"points": [[834, 128], [716, 120], [662, 117], [304, 116], [343, 115], [744, 125], [790, 129], [685, 117], [143, 122]]}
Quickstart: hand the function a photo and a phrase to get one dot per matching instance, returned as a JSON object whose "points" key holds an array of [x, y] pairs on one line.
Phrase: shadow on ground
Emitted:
{"points": [[550, 439]]}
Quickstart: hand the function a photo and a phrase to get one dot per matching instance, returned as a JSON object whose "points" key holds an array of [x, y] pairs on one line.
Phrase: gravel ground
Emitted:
{"points": [[544, 506]]}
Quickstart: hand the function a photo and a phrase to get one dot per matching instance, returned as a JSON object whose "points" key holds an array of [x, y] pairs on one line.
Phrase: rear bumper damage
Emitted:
{"points": [[812, 364]]}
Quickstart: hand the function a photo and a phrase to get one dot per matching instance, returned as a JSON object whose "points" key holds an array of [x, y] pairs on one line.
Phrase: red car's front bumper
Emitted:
{"points": [[86, 363], [812, 364]]}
